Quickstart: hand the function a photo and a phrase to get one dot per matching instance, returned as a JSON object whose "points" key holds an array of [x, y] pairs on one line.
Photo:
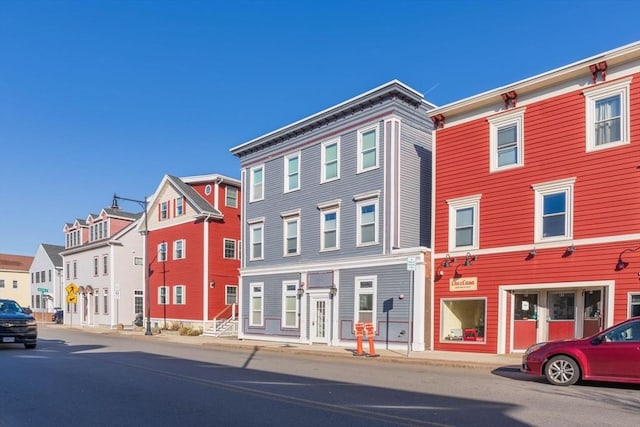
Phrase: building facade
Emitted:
{"points": [[194, 239], [46, 279], [14, 278], [103, 259], [336, 223], [536, 229]]}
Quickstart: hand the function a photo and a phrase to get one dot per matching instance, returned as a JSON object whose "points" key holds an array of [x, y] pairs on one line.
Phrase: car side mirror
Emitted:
{"points": [[27, 310], [597, 340]]}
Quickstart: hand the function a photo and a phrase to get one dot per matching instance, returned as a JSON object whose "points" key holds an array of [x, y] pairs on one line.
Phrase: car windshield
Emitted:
{"points": [[9, 307]]}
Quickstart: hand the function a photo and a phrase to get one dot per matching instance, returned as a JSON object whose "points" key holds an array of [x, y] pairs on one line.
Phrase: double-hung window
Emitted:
{"points": [[231, 197], [256, 236], [368, 148], [365, 299], [105, 264], [554, 210], [290, 304], [179, 249], [229, 250], [291, 237], [179, 206], [95, 266], [330, 160], [179, 295], [256, 191], [105, 301], [506, 139], [256, 315], [464, 214], [231, 294], [162, 295], [164, 210], [367, 219], [292, 172], [634, 305], [607, 115], [329, 225], [162, 252]]}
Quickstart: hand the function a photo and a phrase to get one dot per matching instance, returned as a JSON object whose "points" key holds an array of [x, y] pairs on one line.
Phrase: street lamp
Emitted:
{"points": [[143, 204]]}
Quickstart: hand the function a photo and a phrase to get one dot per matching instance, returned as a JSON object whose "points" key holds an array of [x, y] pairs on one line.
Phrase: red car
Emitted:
{"points": [[610, 355]]}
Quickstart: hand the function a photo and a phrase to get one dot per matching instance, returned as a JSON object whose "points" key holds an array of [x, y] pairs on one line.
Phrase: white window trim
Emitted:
{"points": [[630, 296], [252, 226], [224, 248], [287, 174], [166, 295], [286, 293], [285, 222], [514, 117], [543, 189], [362, 131], [175, 294], [226, 196], [442, 319], [323, 160], [593, 94], [164, 211], [226, 294], [376, 221], [180, 205], [252, 196], [160, 247], [335, 208], [252, 294], [184, 249], [463, 203], [358, 291]]}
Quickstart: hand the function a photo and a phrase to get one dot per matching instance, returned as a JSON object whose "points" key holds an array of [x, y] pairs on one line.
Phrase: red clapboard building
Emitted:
{"points": [[537, 219], [194, 232]]}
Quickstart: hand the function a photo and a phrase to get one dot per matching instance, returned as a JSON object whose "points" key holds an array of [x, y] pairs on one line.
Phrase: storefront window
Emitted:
{"points": [[463, 320]]}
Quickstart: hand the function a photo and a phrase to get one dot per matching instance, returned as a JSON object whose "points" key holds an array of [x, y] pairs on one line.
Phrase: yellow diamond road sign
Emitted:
{"points": [[72, 298], [72, 288]]}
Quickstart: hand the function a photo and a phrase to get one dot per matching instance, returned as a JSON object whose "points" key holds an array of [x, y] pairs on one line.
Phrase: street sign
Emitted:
{"points": [[72, 298], [43, 290], [72, 288], [411, 263]]}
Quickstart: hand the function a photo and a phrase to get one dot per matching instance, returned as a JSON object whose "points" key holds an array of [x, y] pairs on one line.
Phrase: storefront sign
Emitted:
{"points": [[463, 284]]}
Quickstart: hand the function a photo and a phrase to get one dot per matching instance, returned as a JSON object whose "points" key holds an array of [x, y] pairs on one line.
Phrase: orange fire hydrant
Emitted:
{"points": [[370, 334], [359, 331]]}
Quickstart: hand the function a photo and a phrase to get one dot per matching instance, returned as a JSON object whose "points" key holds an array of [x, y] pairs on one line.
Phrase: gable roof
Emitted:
{"points": [[201, 206], [53, 252], [10, 262]]}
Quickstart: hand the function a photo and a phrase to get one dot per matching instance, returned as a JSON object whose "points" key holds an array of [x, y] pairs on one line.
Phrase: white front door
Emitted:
{"points": [[319, 320]]}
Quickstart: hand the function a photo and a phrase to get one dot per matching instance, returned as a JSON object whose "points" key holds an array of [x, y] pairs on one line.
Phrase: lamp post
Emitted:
{"points": [[147, 299]]}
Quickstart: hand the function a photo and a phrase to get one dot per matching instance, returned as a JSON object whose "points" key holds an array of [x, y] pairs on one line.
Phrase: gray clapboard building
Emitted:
{"points": [[337, 224]]}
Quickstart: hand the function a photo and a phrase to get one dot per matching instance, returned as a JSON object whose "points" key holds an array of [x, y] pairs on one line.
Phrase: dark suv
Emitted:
{"points": [[16, 326]]}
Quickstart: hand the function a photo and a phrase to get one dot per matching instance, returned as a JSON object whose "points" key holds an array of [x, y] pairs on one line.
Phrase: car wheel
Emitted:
{"points": [[30, 346], [562, 370]]}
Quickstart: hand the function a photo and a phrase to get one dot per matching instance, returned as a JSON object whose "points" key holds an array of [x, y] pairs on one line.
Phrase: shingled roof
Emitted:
{"points": [[10, 262]]}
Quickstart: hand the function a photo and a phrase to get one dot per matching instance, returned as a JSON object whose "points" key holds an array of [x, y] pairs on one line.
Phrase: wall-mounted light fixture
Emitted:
{"points": [[533, 252], [333, 291], [448, 260], [571, 249], [600, 67], [468, 258], [300, 291], [622, 264]]}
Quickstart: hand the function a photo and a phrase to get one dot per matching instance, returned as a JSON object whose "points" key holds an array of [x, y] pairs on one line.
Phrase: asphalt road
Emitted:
{"points": [[82, 379]]}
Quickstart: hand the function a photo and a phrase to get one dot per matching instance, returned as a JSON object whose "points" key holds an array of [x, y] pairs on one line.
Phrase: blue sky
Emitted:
{"points": [[98, 97]]}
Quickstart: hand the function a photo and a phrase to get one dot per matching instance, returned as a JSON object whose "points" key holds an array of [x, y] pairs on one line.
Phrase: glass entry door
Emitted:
{"points": [[592, 317], [320, 320], [525, 321], [562, 315]]}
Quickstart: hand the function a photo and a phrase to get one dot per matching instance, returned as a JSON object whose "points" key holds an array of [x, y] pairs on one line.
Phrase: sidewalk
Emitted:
{"points": [[440, 358]]}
